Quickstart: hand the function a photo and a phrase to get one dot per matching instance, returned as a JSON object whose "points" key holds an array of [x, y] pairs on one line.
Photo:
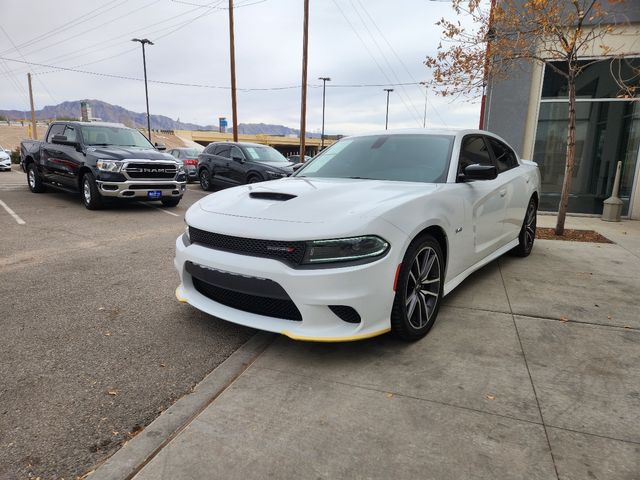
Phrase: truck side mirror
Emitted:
{"points": [[61, 139], [160, 146]]}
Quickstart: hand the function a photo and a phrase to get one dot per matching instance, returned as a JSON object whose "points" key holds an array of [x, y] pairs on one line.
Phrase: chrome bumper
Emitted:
{"points": [[140, 188]]}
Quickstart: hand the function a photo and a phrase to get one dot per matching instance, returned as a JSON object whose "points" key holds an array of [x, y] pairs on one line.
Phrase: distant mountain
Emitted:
{"points": [[114, 113]]}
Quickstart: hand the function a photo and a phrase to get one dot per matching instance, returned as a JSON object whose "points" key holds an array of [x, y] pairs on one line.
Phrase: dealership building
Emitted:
{"points": [[530, 110]]}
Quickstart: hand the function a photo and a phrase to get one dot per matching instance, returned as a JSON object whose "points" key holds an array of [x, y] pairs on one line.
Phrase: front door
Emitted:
{"points": [[485, 199]]}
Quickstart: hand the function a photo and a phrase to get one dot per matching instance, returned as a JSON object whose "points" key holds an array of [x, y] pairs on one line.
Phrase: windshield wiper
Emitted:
{"points": [[362, 178]]}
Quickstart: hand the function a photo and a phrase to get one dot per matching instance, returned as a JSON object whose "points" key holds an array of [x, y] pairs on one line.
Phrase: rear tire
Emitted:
{"points": [[418, 290], [90, 195], [205, 180], [36, 184], [171, 202], [527, 232]]}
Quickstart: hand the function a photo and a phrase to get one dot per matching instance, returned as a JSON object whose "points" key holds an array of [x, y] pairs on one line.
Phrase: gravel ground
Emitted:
{"points": [[94, 345]]}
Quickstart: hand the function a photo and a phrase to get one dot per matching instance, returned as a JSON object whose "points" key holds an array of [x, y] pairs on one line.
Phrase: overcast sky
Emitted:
{"points": [[355, 42]]}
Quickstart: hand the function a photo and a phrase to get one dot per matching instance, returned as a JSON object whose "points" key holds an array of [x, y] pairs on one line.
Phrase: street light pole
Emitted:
{"points": [[324, 85], [386, 121], [144, 42]]}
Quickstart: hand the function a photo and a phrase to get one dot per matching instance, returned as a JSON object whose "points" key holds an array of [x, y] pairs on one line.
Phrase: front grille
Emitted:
{"points": [[288, 252], [269, 307], [151, 170]]}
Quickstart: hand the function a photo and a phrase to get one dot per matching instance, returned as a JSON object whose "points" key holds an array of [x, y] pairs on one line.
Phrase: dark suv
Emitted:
{"points": [[227, 164]]}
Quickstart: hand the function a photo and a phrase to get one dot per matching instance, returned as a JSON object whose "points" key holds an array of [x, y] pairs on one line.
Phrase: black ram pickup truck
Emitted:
{"points": [[102, 161]]}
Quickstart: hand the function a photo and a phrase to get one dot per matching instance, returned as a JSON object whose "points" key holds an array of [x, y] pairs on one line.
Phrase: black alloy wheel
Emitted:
{"points": [[418, 290], [528, 231], [205, 180]]}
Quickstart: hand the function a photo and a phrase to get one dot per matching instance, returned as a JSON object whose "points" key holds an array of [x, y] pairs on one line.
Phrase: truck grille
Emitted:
{"points": [[288, 252], [151, 170]]}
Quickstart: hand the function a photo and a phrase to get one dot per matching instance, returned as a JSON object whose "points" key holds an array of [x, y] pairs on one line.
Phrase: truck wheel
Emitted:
{"points": [[170, 202], [90, 195], [34, 180]]}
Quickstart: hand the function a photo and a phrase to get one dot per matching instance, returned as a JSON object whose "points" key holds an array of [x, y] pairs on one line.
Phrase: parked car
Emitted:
{"points": [[102, 160], [364, 239], [188, 157], [296, 158], [228, 164], [5, 159]]}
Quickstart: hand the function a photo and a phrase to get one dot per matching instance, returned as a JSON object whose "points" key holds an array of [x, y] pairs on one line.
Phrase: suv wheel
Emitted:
{"points": [[205, 180], [33, 179], [90, 194]]}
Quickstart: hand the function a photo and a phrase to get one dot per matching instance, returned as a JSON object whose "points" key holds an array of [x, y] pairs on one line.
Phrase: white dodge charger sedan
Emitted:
{"points": [[366, 238]]}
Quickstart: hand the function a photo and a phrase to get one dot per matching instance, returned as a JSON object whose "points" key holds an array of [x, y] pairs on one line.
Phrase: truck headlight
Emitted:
{"points": [[345, 249], [109, 165]]}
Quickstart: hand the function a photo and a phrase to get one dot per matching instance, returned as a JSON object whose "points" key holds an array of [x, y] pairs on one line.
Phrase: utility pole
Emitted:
{"points": [[305, 48], [144, 42], [34, 132], [232, 56], [386, 121], [426, 93], [324, 85]]}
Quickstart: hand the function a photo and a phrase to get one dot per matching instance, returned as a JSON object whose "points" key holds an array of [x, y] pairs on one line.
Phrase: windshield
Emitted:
{"points": [[264, 154], [114, 136], [404, 158], [191, 152]]}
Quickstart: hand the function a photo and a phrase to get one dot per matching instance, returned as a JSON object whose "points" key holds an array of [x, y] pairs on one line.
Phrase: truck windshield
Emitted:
{"points": [[114, 136]]}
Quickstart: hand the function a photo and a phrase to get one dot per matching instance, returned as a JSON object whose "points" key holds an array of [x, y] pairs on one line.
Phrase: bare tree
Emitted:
{"points": [[557, 33]]}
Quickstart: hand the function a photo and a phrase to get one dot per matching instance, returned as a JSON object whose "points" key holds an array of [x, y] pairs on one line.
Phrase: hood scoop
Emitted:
{"points": [[280, 197]]}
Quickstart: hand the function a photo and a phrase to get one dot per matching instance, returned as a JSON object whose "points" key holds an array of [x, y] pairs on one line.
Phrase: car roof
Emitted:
{"points": [[94, 124], [239, 144]]}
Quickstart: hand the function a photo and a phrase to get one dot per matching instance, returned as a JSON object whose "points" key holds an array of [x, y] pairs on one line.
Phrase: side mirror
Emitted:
{"points": [[160, 146], [238, 159], [62, 139], [479, 172], [297, 166]]}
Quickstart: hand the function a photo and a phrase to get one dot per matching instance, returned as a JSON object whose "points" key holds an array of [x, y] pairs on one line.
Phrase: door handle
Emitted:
{"points": [[503, 193]]}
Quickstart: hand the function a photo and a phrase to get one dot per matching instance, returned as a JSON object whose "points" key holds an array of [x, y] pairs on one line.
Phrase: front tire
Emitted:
{"points": [[170, 202], [90, 195], [527, 232], [254, 179], [418, 290], [205, 180], [33, 179]]}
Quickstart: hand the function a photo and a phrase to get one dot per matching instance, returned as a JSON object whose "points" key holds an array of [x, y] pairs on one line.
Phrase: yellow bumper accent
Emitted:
{"points": [[350, 338], [180, 298]]}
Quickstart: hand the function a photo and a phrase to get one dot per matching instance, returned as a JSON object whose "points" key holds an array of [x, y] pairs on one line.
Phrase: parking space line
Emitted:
{"points": [[12, 213], [201, 192], [158, 208]]}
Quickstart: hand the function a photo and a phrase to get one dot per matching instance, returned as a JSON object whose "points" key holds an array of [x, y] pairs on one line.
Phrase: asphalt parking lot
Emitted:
{"points": [[94, 345]]}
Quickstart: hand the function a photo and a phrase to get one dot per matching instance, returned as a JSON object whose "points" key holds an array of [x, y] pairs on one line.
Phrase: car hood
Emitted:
{"points": [[4, 156], [121, 153], [318, 200]]}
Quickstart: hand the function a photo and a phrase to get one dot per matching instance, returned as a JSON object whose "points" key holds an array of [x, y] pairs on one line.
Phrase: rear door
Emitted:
{"points": [[513, 184], [220, 163], [50, 153]]}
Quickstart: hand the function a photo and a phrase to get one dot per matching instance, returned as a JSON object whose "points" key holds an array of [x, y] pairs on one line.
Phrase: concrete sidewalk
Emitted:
{"points": [[532, 371]]}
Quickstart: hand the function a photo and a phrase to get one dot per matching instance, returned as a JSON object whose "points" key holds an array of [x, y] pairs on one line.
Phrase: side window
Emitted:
{"points": [[70, 133], [237, 153], [56, 129], [505, 158], [223, 151], [474, 150]]}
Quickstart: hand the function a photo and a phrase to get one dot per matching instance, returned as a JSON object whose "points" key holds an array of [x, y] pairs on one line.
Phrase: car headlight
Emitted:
{"points": [[345, 249], [109, 165], [273, 174]]}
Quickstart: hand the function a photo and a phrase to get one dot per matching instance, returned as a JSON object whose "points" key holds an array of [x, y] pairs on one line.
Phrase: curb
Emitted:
{"points": [[136, 453]]}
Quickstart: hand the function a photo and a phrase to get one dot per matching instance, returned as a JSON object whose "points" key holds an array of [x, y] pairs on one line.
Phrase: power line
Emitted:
{"points": [[163, 82]]}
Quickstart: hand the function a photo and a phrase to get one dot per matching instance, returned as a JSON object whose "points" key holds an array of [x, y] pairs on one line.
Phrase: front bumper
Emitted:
{"points": [[366, 288], [140, 188]]}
